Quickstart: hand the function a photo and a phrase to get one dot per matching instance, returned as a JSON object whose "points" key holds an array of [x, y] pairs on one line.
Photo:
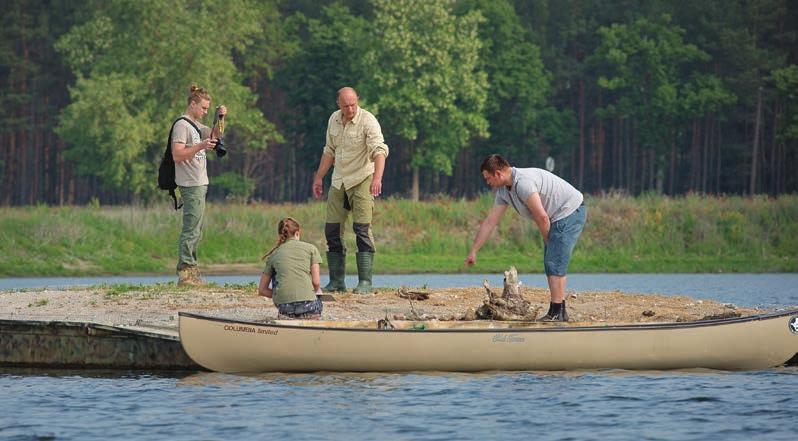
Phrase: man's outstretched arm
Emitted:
{"points": [[485, 229]]}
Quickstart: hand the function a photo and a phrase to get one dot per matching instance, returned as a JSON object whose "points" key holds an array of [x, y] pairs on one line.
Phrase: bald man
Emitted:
{"points": [[356, 148]]}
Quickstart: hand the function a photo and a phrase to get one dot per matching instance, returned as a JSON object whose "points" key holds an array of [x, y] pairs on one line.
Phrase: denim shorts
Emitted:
{"points": [[562, 238], [304, 309]]}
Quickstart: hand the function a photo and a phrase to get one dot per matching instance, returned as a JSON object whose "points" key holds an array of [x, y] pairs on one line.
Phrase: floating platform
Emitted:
{"points": [[57, 344]]}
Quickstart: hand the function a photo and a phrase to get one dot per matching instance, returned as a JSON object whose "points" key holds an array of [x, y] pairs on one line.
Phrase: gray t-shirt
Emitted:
{"points": [[559, 198], [191, 172]]}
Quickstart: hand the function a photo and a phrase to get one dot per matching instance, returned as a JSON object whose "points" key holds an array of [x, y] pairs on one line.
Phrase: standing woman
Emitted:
{"points": [[293, 267]]}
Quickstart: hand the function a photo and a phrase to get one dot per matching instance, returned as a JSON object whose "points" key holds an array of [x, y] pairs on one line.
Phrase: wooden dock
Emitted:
{"points": [[62, 344]]}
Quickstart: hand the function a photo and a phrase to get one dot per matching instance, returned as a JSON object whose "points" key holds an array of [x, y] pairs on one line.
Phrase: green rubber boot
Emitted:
{"points": [[336, 262], [365, 261]]}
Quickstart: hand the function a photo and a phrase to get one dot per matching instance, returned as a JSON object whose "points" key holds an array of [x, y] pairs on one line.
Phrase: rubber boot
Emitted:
{"points": [[365, 261], [336, 262]]}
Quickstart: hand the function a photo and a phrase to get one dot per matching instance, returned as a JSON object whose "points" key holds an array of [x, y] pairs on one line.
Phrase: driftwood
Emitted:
{"points": [[510, 305], [412, 295]]}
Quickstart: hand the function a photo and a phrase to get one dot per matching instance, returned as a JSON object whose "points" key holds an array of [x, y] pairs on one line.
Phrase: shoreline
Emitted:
{"points": [[156, 306]]}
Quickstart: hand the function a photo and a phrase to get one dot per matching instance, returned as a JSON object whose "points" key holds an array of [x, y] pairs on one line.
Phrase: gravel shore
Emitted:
{"points": [[157, 306]]}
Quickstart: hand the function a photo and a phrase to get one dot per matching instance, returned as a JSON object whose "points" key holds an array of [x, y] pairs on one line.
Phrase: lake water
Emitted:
{"points": [[601, 405], [767, 290]]}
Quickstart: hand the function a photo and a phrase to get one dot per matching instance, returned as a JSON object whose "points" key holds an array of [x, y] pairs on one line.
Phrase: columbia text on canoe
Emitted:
{"points": [[239, 328]]}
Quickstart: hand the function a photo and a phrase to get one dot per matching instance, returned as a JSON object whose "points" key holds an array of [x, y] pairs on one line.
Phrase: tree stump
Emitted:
{"points": [[510, 305]]}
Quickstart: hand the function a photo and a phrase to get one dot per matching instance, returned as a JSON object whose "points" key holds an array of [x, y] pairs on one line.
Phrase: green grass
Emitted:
{"points": [[623, 234]]}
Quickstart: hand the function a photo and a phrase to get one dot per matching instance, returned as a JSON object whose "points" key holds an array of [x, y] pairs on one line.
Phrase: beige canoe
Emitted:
{"points": [[754, 342]]}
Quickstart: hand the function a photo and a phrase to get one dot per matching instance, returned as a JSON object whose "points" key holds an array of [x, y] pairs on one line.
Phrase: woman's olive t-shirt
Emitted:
{"points": [[289, 265]]}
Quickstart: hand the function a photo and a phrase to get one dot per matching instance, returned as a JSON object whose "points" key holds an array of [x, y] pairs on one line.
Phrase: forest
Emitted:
{"points": [[626, 97]]}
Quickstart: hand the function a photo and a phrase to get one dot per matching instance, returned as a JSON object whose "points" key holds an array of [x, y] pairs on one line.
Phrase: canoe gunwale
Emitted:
{"points": [[513, 326]]}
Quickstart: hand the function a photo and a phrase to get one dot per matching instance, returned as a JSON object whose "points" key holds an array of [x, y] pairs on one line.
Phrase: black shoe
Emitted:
{"points": [[556, 313]]}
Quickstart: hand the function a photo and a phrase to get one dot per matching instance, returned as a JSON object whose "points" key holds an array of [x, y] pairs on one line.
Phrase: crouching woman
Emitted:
{"points": [[292, 268]]}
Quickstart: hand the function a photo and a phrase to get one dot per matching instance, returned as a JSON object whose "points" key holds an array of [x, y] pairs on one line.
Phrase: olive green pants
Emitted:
{"points": [[340, 202], [193, 217]]}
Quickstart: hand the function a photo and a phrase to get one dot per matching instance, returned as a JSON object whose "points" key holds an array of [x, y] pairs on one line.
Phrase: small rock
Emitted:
{"points": [[573, 296], [399, 317], [649, 313]]}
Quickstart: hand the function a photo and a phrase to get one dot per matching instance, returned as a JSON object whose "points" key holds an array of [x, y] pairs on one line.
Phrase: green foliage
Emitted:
{"points": [[646, 234], [518, 84], [129, 90], [324, 61], [236, 187], [641, 65], [633, 95], [425, 78]]}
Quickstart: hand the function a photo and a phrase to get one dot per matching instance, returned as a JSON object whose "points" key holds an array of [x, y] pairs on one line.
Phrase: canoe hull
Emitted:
{"points": [[736, 344]]}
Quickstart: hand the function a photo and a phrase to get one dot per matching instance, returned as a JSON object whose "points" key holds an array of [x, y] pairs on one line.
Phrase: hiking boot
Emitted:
{"points": [[557, 313], [197, 276], [365, 262], [336, 263], [189, 276]]}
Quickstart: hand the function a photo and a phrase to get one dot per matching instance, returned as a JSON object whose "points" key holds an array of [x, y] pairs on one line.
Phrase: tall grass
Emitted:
{"points": [[645, 234]]}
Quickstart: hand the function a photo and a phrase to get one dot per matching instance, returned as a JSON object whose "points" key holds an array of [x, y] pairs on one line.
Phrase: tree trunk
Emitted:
{"points": [[581, 171], [672, 170], [718, 168], [755, 148], [616, 152], [414, 196], [600, 148], [705, 156], [773, 176]]}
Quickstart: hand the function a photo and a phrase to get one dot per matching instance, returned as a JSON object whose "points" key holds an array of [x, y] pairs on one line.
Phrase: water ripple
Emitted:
{"points": [[597, 405]]}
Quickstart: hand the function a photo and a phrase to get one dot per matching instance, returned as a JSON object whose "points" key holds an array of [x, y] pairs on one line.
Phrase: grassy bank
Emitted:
{"points": [[623, 234]]}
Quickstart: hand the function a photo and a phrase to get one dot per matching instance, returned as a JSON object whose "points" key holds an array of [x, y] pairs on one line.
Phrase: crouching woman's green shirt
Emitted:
{"points": [[289, 266]]}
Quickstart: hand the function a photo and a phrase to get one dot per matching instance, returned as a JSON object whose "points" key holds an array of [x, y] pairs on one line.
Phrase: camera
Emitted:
{"points": [[220, 149]]}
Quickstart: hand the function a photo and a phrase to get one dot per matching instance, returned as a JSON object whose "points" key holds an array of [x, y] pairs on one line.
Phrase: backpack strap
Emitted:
{"points": [[168, 154], [174, 198], [188, 121]]}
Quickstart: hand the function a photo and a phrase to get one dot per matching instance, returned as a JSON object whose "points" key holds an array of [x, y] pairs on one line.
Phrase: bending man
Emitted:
{"points": [[552, 203], [355, 146]]}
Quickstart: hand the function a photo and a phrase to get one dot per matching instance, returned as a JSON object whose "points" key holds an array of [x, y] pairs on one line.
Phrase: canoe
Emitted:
{"points": [[225, 345]]}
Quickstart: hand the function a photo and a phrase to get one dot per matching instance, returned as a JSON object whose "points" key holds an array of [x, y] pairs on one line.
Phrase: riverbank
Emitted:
{"points": [[649, 234]]}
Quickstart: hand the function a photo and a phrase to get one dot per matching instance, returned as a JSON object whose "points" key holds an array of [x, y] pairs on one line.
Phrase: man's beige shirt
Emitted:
{"points": [[354, 147]]}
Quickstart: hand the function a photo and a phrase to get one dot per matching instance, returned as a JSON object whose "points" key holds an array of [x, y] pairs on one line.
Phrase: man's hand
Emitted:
{"points": [[207, 144], [471, 259], [376, 187], [318, 188]]}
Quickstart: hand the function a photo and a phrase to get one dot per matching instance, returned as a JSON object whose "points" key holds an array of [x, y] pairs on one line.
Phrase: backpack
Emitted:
{"points": [[166, 171]]}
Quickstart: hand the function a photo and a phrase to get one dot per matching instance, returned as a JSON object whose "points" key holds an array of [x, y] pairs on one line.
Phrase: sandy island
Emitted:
{"points": [[157, 306]]}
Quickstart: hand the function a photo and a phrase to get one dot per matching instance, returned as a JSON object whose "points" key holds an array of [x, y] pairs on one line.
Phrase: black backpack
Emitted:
{"points": [[166, 172]]}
